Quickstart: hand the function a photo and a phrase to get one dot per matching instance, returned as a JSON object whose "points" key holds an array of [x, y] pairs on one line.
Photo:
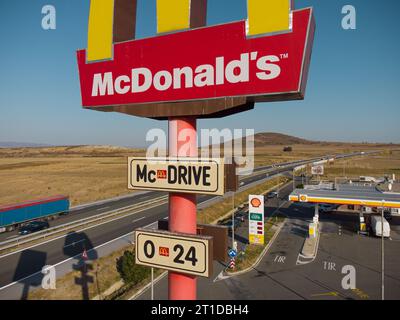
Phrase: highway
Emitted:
{"points": [[21, 264]]}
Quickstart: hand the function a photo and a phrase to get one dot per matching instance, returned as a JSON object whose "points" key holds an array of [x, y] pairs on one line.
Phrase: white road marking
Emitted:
{"points": [[99, 209], [221, 277], [74, 243], [138, 219]]}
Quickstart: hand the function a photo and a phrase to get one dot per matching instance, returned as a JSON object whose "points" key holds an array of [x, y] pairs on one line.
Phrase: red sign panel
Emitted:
{"points": [[205, 63]]}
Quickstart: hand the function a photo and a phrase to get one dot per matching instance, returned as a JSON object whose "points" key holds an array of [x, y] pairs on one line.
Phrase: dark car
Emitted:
{"points": [[387, 215], [272, 194], [33, 226]]}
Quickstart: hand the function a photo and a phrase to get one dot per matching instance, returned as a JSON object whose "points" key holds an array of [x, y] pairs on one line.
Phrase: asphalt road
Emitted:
{"points": [[21, 264], [284, 275]]}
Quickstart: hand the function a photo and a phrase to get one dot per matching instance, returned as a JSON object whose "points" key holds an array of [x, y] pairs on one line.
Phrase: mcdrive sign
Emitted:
{"points": [[188, 175], [200, 64]]}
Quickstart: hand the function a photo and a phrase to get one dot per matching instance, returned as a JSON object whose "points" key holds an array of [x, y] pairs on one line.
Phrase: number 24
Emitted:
{"points": [[190, 256]]}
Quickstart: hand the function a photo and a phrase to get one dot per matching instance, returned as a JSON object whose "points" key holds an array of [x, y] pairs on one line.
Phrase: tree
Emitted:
{"points": [[130, 272]]}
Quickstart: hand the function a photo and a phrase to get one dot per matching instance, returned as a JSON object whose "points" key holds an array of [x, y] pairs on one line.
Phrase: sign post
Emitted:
{"points": [[182, 207]]}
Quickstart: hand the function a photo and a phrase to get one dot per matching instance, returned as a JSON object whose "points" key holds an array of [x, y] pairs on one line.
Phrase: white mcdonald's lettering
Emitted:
{"points": [[142, 79], [176, 174]]}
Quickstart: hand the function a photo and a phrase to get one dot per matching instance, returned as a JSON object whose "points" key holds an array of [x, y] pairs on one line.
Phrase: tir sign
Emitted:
{"points": [[189, 175]]}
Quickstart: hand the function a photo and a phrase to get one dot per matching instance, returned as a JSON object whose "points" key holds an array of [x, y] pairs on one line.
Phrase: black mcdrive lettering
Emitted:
{"points": [[142, 174], [189, 174]]}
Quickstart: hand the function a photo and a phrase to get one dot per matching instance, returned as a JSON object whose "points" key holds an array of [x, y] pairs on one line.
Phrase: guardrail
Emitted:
{"points": [[5, 245]]}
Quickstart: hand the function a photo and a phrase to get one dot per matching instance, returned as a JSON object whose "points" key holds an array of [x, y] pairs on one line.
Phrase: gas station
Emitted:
{"points": [[347, 194]]}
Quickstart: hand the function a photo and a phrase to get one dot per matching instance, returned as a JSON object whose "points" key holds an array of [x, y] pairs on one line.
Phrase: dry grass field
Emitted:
{"points": [[379, 165], [91, 173], [274, 154], [84, 173]]}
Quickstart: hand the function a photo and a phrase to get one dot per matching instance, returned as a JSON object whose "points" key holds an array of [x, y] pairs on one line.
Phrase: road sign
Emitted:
{"points": [[189, 175], [84, 255], [232, 263], [195, 66], [183, 253], [256, 219], [317, 170], [232, 253]]}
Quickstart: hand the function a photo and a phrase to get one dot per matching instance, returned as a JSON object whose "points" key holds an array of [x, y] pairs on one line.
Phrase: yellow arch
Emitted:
{"points": [[267, 16], [100, 30]]}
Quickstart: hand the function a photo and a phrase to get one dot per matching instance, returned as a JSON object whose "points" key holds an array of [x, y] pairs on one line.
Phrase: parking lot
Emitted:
{"points": [[340, 249]]}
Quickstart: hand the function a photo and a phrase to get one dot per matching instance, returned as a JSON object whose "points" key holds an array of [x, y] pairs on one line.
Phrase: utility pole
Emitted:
{"points": [[293, 180], [277, 194], [152, 283], [233, 220], [383, 252]]}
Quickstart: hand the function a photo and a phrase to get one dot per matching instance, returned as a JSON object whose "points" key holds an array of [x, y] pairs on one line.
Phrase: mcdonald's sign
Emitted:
{"points": [[189, 69]]}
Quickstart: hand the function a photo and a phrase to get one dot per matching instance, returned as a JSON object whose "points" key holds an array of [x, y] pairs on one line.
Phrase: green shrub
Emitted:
{"points": [[130, 272]]}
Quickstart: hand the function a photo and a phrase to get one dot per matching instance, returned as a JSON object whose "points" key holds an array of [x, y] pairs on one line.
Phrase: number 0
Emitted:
{"points": [[146, 249]]}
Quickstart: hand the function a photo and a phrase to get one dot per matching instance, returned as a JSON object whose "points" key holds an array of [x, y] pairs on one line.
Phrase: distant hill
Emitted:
{"points": [[8, 144], [271, 138]]}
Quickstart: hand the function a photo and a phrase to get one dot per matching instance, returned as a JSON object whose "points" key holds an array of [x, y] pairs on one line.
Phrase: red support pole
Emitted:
{"points": [[182, 207]]}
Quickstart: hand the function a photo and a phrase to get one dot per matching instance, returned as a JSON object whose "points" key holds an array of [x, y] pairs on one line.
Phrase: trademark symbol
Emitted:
{"points": [[284, 55]]}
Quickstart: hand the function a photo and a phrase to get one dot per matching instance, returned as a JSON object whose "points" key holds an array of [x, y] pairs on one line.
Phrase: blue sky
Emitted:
{"points": [[352, 92]]}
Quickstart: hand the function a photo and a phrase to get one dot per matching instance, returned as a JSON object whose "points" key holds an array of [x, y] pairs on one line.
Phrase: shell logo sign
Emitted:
{"points": [[255, 202], [199, 71], [303, 198]]}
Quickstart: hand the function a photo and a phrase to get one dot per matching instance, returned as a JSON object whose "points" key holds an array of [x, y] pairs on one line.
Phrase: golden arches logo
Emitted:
{"points": [[112, 21]]}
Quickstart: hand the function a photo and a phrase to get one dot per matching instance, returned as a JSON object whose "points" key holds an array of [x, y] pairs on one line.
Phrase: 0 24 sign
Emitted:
{"points": [[189, 254]]}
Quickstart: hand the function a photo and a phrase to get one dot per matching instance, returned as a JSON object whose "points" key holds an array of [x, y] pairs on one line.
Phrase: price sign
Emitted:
{"points": [[256, 219]]}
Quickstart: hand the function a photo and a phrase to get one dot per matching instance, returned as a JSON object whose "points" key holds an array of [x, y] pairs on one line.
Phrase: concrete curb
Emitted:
{"points": [[310, 245], [110, 290], [257, 262]]}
